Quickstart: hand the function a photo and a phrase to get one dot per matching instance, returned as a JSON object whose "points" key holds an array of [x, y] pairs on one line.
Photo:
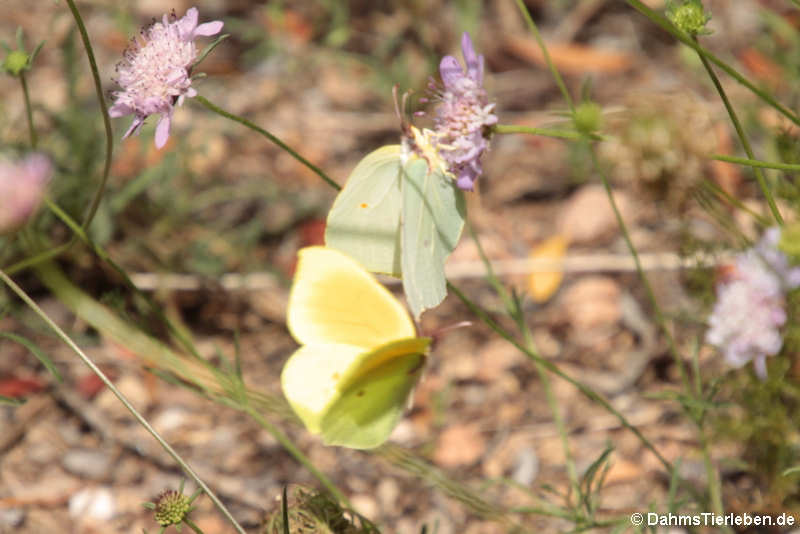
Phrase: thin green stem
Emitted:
{"points": [[28, 110], [580, 386], [552, 403], [714, 485], [296, 453], [98, 87], [122, 398], [199, 374], [516, 312], [513, 128], [271, 137], [538, 36], [757, 163], [735, 202], [106, 258], [40, 257], [667, 26], [191, 524], [98, 195], [762, 182], [660, 319]]}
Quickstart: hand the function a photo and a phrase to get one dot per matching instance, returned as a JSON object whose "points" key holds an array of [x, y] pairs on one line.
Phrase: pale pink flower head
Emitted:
{"points": [[750, 309], [22, 186], [155, 72], [463, 115]]}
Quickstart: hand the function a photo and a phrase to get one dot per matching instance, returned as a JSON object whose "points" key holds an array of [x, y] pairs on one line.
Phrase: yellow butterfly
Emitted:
{"points": [[359, 359]]}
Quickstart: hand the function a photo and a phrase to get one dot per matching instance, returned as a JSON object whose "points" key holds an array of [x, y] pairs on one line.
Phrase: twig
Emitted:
{"points": [[578, 263]]}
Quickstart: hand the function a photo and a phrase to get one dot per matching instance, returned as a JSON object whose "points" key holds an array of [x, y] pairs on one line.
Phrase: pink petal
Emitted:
{"points": [[120, 110], [134, 128], [188, 24], [209, 28], [450, 70], [474, 61], [466, 182], [162, 130]]}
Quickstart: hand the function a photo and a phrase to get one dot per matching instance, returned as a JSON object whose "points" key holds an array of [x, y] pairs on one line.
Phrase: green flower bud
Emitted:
{"points": [[19, 60], [171, 508], [588, 117], [690, 17], [15, 62]]}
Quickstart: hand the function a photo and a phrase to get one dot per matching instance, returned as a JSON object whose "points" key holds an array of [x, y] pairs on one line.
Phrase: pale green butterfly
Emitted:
{"points": [[400, 213]]}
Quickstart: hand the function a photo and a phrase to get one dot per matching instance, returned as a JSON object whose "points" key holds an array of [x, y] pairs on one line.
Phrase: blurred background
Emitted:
{"points": [[220, 201]]}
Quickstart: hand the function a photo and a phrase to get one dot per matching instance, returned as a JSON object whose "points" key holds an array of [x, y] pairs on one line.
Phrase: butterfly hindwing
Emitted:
{"points": [[367, 410], [359, 361], [433, 213]]}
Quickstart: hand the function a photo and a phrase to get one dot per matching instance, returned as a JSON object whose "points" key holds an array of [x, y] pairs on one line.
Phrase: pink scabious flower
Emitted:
{"points": [[749, 312], [463, 115], [22, 186], [155, 72]]}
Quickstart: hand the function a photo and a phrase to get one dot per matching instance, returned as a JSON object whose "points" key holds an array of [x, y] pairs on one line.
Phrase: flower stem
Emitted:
{"points": [[713, 477], [586, 390], [659, 315], [271, 137], [757, 163], [513, 128], [297, 454], [714, 484], [762, 182], [667, 26], [191, 524], [98, 87], [105, 257], [735, 202], [553, 70], [122, 398], [580, 386], [98, 195], [516, 312], [39, 258], [28, 110]]}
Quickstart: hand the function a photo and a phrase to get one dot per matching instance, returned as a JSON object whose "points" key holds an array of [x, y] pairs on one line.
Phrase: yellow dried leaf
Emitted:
{"points": [[543, 284]]}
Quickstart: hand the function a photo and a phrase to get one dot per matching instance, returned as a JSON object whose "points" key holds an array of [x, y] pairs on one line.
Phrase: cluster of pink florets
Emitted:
{"points": [[750, 309], [463, 115], [155, 72], [22, 187]]}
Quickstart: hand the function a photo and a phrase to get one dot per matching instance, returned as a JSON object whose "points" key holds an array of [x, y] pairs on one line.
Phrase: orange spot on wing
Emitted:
{"points": [[363, 205]]}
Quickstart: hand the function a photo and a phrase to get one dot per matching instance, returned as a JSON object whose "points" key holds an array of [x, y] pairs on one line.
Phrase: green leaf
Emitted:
{"points": [[207, 50], [36, 351]]}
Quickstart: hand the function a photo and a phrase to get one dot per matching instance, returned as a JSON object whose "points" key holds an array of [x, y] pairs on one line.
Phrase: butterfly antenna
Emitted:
{"points": [[439, 333]]}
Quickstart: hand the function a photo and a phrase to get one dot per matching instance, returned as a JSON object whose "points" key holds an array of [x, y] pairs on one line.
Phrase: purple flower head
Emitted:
{"points": [[462, 115], [155, 72], [749, 311], [22, 186]]}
